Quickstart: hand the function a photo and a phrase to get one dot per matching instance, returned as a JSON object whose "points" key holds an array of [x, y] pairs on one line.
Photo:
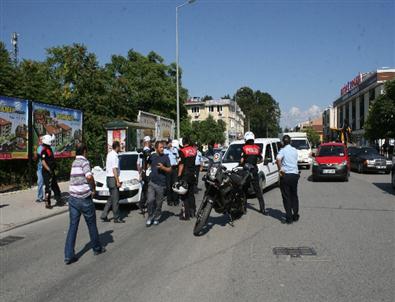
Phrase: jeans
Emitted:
{"points": [[154, 200], [289, 192], [78, 206], [40, 182]]}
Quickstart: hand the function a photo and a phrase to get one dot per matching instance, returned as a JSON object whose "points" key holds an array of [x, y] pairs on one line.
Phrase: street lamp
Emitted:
{"points": [[177, 72]]}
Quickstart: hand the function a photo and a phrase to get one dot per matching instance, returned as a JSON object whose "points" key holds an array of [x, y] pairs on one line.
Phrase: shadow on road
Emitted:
{"points": [[310, 178], [105, 239], [386, 187], [222, 221], [4, 205], [276, 214], [165, 215]]}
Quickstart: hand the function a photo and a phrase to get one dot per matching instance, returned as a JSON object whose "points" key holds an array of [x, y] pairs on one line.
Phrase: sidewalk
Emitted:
{"points": [[19, 208]]}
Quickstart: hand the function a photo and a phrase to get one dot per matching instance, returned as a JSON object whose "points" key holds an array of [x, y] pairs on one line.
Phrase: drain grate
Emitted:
{"points": [[9, 239], [294, 252]]}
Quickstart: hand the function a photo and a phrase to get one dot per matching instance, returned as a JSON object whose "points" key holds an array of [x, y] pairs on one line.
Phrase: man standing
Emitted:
{"points": [[252, 155], [198, 166], [142, 167], [49, 165], [113, 184], [160, 166], [172, 152], [186, 172], [82, 188], [40, 180], [287, 162]]}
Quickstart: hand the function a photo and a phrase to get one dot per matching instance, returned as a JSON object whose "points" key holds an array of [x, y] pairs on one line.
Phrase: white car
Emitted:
{"points": [[301, 143], [131, 189], [268, 170]]}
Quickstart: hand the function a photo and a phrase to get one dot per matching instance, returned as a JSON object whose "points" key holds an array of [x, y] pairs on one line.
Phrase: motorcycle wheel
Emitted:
{"points": [[202, 217]]}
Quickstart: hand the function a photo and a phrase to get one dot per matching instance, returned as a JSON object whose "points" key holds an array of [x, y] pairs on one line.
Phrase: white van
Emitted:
{"points": [[301, 143], [268, 173]]}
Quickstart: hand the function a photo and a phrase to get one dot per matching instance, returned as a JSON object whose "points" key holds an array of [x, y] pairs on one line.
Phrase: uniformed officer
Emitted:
{"points": [[49, 165], [252, 155], [143, 166], [172, 152], [198, 165]]}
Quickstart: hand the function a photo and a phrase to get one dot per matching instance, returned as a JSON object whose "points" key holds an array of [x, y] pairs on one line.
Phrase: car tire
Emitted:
{"points": [[393, 180], [387, 172], [360, 168], [345, 179], [315, 178], [308, 167]]}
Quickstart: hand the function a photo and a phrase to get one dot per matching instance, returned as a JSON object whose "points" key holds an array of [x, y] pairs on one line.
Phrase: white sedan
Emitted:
{"points": [[131, 189]]}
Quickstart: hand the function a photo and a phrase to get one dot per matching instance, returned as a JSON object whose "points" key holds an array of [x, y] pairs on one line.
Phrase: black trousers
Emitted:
{"points": [[289, 192], [258, 189], [197, 175], [51, 183], [172, 197], [188, 201]]}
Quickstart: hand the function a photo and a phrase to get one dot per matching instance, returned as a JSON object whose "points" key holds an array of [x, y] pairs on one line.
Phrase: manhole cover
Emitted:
{"points": [[294, 251], [9, 239]]}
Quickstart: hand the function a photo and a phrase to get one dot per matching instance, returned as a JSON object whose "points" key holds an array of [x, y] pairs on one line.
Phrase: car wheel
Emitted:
{"points": [[315, 178], [308, 167], [345, 179], [360, 168], [393, 180]]}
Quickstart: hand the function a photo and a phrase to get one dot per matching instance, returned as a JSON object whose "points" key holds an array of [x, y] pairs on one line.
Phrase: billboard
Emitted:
{"points": [[64, 123], [14, 115], [157, 127], [116, 135]]}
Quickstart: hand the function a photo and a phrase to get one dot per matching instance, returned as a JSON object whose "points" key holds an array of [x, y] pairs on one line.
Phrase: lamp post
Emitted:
{"points": [[177, 72]]}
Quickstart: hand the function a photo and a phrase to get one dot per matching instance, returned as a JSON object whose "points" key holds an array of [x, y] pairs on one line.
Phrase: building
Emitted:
{"points": [[352, 106], [66, 132], [329, 120], [222, 109], [5, 127], [315, 124], [50, 129]]}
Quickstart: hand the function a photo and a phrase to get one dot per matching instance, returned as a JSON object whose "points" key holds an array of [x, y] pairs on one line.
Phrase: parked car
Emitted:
{"points": [[393, 173], [331, 161], [268, 170], [301, 143], [131, 189], [368, 159]]}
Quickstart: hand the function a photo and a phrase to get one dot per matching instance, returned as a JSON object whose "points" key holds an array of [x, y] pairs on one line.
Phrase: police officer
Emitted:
{"points": [[186, 172], [143, 166], [198, 165], [49, 165], [252, 155], [172, 152]]}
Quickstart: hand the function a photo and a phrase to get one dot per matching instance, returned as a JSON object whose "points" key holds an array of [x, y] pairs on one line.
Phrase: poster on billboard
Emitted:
{"points": [[116, 135], [14, 114], [156, 126], [165, 128], [64, 123]]}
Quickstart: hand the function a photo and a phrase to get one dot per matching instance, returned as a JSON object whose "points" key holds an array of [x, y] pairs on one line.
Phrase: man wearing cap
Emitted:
{"points": [[49, 166], [172, 152]]}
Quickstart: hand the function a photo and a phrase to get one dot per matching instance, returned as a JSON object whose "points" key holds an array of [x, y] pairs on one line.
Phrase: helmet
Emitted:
{"points": [[180, 187], [180, 143], [48, 139], [175, 143], [249, 136], [146, 139]]}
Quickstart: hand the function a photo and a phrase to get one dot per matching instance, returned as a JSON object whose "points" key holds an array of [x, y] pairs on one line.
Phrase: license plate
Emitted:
{"points": [[329, 171], [103, 193], [381, 167]]}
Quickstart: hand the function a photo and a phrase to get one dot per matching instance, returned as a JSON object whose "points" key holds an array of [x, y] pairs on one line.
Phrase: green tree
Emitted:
{"points": [[381, 118], [204, 132], [207, 98], [7, 72], [312, 135]]}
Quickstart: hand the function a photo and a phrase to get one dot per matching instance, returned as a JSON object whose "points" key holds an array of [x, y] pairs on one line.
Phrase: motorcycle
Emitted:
{"points": [[225, 192]]}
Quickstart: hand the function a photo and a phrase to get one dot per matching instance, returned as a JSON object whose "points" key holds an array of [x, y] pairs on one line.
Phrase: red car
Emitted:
{"points": [[331, 161]]}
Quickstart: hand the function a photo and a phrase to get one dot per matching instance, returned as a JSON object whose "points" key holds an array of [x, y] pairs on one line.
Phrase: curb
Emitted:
{"points": [[35, 220]]}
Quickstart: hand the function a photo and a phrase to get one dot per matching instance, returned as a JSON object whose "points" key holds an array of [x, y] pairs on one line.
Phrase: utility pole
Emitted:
{"points": [[15, 50]]}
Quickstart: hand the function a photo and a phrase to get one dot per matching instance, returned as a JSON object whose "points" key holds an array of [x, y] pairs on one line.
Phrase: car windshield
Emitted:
{"points": [[300, 144], [128, 162], [331, 151], [233, 154], [367, 151]]}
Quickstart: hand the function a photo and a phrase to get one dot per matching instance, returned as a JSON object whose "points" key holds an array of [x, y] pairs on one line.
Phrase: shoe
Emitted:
{"points": [[264, 212], [119, 221], [105, 219], [184, 218], [38, 200], [286, 221], [101, 251], [148, 222], [48, 206], [156, 222], [295, 217], [70, 261], [170, 203], [60, 204]]}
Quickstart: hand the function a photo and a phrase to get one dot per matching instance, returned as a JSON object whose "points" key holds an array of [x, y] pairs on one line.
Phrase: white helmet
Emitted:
{"points": [[146, 139], [180, 143], [180, 187], [249, 136], [48, 139], [175, 143]]}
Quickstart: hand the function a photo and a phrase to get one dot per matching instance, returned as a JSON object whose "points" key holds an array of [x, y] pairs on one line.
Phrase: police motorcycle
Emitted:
{"points": [[224, 192]]}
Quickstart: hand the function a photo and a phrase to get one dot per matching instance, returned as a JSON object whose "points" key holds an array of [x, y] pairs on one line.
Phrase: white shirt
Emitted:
{"points": [[112, 162]]}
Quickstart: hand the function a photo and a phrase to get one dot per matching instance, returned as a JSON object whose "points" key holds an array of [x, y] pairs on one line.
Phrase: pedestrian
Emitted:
{"points": [[40, 180], [287, 162], [47, 157], [172, 152], [160, 167], [198, 165], [186, 173], [252, 156], [113, 184], [142, 166], [82, 188]]}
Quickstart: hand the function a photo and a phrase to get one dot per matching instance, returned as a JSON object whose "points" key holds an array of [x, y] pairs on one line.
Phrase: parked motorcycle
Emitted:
{"points": [[224, 192]]}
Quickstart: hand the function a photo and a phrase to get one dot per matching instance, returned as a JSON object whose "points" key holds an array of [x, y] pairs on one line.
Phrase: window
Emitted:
{"points": [[268, 153], [372, 94], [233, 154], [211, 109], [219, 108], [195, 109], [353, 115], [347, 113], [331, 151], [275, 151], [341, 116], [361, 112], [279, 146]]}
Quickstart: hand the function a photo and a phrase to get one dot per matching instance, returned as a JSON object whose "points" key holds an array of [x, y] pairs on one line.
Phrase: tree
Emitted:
{"points": [[226, 97], [381, 118], [7, 72], [312, 135], [204, 132], [207, 98]]}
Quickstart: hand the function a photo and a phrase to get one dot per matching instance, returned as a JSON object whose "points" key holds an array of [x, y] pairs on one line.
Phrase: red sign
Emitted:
{"points": [[352, 84]]}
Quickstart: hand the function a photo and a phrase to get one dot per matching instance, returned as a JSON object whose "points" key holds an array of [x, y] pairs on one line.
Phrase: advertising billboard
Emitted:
{"points": [[116, 135], [63, 123], [156, 126], [14, 114]]}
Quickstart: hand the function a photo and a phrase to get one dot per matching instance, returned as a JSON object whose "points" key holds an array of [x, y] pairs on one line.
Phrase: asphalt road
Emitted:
{"points": [[350, 225]]}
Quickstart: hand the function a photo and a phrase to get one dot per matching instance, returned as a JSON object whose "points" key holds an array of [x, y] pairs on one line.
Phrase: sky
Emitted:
{"points": [[301, 52]]}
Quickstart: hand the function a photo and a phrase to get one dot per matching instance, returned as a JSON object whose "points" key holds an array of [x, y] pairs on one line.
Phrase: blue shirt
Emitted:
{"points": [[289, 159], [39, 149], [172, 154], [158, 176]]}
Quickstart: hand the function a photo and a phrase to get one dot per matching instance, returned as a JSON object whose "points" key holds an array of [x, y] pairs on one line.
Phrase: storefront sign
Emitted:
{"points": [[14, 114], [351, 84]]}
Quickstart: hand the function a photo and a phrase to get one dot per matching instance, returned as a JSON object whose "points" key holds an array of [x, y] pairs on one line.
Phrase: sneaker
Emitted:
{"points": [[156, 222], [148, 222], [70, 261], [39, 200], [101, 251]]}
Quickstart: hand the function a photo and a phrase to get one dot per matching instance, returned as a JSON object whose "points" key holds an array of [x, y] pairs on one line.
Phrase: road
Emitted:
{"points": [[350, 226]]}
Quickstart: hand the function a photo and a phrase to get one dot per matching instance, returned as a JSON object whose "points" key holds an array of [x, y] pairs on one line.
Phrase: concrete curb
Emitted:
{"points": [[36, 220]]}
